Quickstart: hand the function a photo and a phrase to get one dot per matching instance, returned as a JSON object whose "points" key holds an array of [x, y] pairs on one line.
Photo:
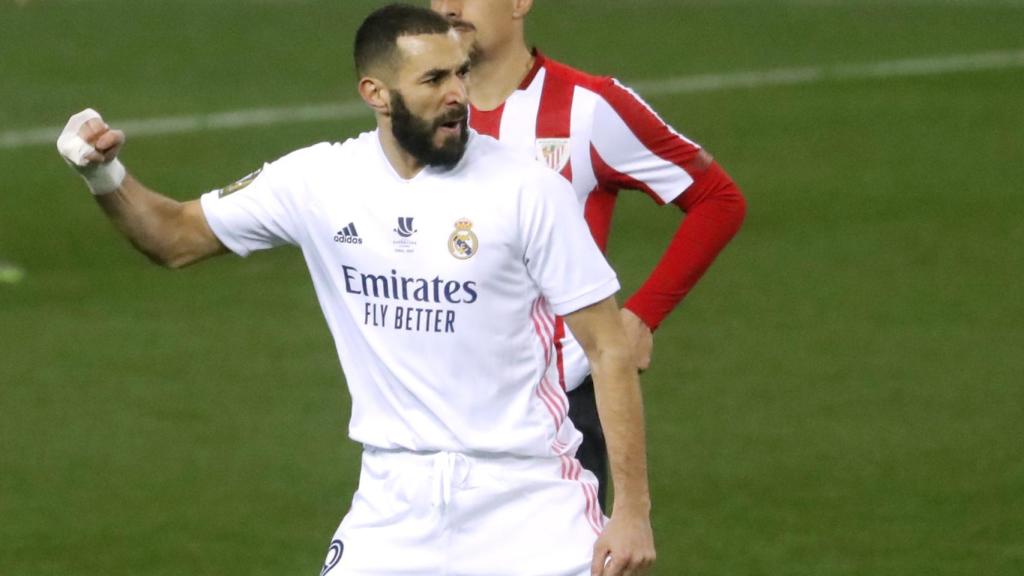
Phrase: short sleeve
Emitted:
{"points": [[560, 254], [255, 213]]}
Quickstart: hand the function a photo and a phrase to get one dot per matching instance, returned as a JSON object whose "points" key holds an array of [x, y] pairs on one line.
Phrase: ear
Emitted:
{"points": [[375, 94], [521, 8]]}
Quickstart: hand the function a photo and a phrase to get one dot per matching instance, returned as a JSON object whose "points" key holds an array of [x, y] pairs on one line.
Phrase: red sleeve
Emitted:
{"points": [[715, 209], [634, 148]]}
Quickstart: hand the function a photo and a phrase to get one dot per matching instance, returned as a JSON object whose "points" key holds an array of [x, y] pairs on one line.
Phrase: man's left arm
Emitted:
{"points": [[714, 209], [562, 258], [637, 149], [627, 544]]}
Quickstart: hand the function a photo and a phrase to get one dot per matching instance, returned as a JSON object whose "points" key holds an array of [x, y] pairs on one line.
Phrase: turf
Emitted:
{"points": [[842, 394]]}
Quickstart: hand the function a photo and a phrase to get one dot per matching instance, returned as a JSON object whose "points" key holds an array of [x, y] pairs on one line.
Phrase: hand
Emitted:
{"points": [[625, 548], [87, 140], [91, 148], [641, 340]]}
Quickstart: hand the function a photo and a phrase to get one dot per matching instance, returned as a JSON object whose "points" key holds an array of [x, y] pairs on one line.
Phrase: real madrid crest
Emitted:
{"points": [[463, 242]]}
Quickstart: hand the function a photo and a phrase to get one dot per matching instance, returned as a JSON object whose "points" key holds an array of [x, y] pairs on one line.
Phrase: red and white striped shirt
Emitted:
{"points": [[602, 137]]}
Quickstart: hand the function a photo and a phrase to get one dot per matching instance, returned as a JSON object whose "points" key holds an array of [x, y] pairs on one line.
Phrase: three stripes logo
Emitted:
{"points": [[405, 228], [348, 235]]}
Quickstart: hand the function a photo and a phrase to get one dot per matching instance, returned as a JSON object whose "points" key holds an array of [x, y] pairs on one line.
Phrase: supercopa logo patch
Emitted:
{"points": [[463, 243], [405, 244], [239, 184], [333, 556]]}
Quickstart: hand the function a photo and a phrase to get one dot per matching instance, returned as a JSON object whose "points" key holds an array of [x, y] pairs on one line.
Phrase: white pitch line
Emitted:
{"points": [[812, 74], [200, 122], [910, 67]]}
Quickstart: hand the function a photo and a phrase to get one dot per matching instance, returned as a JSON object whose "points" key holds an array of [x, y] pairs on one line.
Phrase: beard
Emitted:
{"points": [[416, 135]]}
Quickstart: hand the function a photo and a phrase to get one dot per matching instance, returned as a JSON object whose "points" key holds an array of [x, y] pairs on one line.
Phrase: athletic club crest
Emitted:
{"points": [[554, 152], [463, 242]]}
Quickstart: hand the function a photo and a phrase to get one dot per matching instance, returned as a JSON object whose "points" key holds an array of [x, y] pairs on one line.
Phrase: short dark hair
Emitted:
{"points": [[378, 35]]}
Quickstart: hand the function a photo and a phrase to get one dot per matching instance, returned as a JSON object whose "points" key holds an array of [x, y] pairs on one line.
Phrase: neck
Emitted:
{"points": [[497, 74], [405, 164]]}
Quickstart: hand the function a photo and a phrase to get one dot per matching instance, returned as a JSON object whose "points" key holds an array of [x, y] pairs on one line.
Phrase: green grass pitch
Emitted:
{"points": [[843, 394]]}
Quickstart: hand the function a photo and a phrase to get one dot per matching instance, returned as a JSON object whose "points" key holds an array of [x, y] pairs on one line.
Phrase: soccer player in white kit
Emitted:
{"points": [[440, 259], [602, 138]]}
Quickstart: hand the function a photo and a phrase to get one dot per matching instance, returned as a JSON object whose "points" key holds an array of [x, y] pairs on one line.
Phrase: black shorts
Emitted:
{"points": [[593, 452]]}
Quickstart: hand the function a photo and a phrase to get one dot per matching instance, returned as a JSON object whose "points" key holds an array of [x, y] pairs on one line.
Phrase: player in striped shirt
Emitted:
{"points": [[602, 137]]}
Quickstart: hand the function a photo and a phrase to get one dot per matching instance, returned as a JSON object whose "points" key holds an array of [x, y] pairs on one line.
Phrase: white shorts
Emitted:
{"points": [[455, 515]]}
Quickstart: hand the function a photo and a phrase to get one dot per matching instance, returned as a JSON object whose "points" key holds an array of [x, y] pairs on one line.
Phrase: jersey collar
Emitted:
{"points": [[427, 171], [539, 60]]}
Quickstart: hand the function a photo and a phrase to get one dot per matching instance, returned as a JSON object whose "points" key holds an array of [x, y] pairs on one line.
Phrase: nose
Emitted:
{"points": [[457, 93], [447, 8]]}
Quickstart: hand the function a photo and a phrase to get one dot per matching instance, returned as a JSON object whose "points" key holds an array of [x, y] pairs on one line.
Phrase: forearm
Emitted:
{"points": [[620, 407], [715, 211], [157, 225], [170, 233]]}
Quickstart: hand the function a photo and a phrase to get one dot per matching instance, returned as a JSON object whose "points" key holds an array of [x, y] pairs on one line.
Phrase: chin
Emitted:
{"points": [[445, 141]]}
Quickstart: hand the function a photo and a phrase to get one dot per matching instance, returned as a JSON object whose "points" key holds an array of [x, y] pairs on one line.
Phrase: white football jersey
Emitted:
{"points": [[440, 291]]}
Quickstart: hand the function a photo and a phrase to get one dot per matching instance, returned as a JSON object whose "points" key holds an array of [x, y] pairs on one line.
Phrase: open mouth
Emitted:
{"points": [[453, 125], [449, 129]]}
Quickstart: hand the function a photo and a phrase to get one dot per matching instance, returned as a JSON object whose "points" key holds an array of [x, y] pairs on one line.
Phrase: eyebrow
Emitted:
{"points": [[444, 72], [434, 73]]}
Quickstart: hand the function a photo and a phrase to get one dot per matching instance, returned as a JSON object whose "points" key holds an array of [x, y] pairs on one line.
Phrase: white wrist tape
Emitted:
{"points": [[102, 178]]}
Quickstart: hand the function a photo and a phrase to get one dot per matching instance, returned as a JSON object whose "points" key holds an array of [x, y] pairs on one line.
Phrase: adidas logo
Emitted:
{"points": [[348, 235]]}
